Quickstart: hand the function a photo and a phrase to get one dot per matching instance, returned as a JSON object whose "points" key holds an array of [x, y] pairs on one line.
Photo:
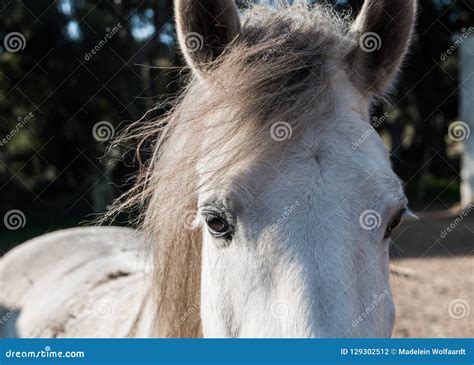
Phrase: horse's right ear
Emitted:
{"points": [[383, 31], [205, 28]]}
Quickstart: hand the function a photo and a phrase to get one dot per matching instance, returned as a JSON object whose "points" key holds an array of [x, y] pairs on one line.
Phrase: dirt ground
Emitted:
{"points": [[433, 280]]}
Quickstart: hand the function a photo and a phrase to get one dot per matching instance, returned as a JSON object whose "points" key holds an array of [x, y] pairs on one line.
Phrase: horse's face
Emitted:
{"points": [[296, 241], [296, 238]]}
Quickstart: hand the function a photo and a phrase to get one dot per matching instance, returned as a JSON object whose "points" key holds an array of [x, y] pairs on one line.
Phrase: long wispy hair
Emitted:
{"points": [[277, 69]]}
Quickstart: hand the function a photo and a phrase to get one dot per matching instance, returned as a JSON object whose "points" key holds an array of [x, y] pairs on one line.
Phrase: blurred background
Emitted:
{"points": [[73, 73]]}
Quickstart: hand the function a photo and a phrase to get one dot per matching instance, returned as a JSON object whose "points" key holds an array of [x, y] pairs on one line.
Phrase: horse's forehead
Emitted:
{"points": [[353, 145], [342, 142], [325, 164], [347, 153]]}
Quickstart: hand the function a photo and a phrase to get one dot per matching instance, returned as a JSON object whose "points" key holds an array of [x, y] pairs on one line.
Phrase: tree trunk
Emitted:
{"points": [[467, 117]]}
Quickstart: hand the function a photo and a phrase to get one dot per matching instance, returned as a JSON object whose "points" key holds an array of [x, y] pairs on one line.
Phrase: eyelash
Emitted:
{"points": [[227, 227], [394, 223]]}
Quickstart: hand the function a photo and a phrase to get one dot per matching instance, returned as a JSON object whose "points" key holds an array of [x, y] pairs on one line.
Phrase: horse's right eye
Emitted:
{"points": [[218, 226]]}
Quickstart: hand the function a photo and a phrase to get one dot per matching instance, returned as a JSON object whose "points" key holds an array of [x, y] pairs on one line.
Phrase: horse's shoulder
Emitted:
{"points": [[74, 283]]}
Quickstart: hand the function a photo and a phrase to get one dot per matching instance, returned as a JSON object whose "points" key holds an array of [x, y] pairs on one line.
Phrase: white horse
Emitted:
{"points": [[271, 198]]}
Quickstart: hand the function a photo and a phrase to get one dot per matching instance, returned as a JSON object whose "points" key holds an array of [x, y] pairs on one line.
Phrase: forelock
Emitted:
{"points": [[281, 64]]}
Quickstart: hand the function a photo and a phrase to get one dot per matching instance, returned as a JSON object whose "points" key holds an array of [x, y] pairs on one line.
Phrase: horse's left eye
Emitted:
{"points": [[394, 224], [218, 226]]}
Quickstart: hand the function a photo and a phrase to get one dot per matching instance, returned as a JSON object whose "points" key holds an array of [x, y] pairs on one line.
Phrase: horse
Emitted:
{"points": [[270, 198]]}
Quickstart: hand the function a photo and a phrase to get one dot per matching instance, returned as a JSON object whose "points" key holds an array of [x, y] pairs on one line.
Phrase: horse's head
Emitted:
{"points": [[295, 194]]}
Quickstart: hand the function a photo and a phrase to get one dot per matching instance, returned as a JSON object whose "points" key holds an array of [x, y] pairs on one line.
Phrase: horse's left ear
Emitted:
{"points": [[383, 30], [205, 28]]}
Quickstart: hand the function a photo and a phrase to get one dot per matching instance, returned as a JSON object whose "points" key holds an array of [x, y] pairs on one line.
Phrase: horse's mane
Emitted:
{"points": [[277, 69]]}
